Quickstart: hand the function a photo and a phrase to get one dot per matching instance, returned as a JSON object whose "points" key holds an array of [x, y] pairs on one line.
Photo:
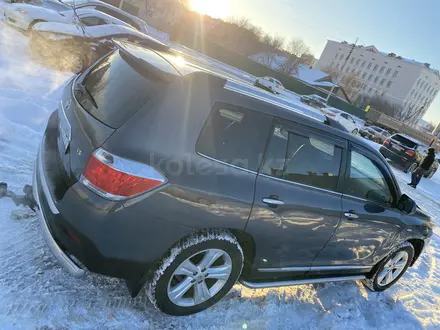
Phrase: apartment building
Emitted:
{"points": [[408, 84]]}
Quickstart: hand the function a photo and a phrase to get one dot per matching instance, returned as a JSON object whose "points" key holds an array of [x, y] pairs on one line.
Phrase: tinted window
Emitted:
{"points": [[271, 80], [118, 15], [343, 115], [92, 21], [303, 159], [403, 140], [236, 136], [117, 89], [366, 178]]}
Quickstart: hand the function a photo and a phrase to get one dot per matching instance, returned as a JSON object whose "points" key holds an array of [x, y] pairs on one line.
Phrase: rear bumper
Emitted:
{"points": [[41, 188], [400, 160]]}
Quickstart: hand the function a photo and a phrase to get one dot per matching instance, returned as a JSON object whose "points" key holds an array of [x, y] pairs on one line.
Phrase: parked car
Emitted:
{"points": [[184, 183], [342, 117], [314, 101], [374, 133], [50, 4], [271, 84], [120, 14], [25, 15], [74, 48], [407, 152]]}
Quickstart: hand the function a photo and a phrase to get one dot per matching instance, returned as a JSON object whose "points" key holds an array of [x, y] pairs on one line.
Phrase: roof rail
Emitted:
{"points": [[264, 96]]}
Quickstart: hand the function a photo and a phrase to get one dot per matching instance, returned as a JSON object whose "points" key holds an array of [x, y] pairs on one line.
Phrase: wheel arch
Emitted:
{"points": [[247, 244], [35, 21], [418, 245]]}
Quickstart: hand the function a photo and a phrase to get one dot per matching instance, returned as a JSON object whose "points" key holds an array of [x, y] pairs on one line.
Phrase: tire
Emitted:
{"points": [[72, 62], [430, 174], [411, 168], [163, 285], [377, 281]]}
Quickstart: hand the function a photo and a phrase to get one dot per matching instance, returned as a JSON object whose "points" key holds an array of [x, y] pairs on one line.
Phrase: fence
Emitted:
{"points": [[245, 64]]}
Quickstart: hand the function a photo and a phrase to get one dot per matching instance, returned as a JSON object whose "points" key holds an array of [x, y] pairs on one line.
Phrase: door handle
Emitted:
{"points": [[351, 215], [272, 201]]}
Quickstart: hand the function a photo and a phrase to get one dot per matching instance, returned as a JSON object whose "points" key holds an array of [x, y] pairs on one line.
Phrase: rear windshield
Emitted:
{"points": [[403, 140], [113, 90]]}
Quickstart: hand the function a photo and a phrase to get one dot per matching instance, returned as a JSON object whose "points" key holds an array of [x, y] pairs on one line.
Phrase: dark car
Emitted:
{"points": [[374, 133], [183, 183], [314, 101], [74, 48], [407, 152]]}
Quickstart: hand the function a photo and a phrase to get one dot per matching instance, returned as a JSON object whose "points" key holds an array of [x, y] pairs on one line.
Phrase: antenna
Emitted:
{"points": [[81, 25]]}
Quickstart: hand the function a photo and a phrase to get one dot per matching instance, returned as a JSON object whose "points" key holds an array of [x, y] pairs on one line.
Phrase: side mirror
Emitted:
{"points": [[406, 204], [378, 196]]}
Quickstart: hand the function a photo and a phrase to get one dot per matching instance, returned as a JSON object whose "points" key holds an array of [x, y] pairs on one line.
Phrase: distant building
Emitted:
{"points": [[409, 85]]}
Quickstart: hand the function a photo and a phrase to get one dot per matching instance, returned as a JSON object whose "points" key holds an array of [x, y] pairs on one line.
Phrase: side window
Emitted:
{"points": [[303, 159], [344, 115], [118, 15], [366, 179], [271, 80], [236, 136], [92, 21]]}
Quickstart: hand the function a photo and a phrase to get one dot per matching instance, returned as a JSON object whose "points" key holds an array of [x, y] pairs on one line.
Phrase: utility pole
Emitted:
{"points": [[342, 68]]}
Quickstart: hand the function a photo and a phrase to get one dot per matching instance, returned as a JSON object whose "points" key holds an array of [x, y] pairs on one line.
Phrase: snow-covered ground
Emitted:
{"points": [[35, 293]]}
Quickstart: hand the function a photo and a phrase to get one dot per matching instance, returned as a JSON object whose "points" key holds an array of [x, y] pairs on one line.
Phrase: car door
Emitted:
{"points": [[297, 205], [371, 221]]}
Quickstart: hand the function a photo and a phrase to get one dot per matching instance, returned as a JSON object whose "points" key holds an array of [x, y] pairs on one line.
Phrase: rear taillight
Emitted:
{"points": [[117, 178], [410, 152], [331, 114], [387, 141]]}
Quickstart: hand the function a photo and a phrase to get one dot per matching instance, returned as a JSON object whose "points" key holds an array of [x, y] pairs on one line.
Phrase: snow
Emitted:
{"points": [[90, 31], [35, 293]]}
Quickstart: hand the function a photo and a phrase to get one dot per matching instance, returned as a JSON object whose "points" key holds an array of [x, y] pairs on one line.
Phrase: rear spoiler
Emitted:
{"points": [[144, 65]]}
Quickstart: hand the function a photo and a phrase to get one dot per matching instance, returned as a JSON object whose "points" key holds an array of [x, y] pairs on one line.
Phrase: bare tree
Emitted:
{"points": [[352, 85], [277, 42], [307, 59], [297, 47], [290, 65], [267, 59], [332, 71], [387, 108]]}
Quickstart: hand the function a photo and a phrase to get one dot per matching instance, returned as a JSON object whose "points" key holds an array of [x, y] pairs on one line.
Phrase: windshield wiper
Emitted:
{"points": [[85, 91]]}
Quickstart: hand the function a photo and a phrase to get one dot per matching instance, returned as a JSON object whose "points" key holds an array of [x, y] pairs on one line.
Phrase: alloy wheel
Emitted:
{"points": [[393, 268], [199, 277]]}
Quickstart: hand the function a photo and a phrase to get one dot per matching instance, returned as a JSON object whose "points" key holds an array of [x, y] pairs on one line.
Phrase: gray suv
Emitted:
{"points": [[183, 183]]}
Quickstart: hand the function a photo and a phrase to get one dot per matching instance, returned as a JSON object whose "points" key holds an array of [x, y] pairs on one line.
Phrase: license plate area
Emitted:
{"points": [[65, 130], [397, 147]]}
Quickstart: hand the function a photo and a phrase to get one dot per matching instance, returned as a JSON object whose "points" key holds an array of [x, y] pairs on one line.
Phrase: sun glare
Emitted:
{"points": [[214, 8]]}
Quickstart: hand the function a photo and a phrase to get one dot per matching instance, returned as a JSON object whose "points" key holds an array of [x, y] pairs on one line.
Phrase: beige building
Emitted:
{"points": [[410, 85]]}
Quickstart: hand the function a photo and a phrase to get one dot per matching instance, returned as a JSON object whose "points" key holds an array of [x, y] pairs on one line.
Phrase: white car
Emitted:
{"points": [[108, 9], [273, 85], [73, 48], [25, 15], [343, 118]]}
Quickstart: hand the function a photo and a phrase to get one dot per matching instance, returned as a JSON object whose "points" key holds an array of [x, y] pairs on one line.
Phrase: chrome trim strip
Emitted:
{"points": [[325, 268], [284, 269], [301, 184], [227, 164], [261, 98], [354, 197], [312, 269], [65, 261], [46, 191], [262, 285]]}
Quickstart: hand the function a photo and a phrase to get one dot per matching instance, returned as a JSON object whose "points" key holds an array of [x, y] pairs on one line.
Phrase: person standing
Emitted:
{"points": [[424, 167]]}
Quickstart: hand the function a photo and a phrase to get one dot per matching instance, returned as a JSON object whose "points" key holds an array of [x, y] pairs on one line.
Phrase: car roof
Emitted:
{"points": [[104, 4]]}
